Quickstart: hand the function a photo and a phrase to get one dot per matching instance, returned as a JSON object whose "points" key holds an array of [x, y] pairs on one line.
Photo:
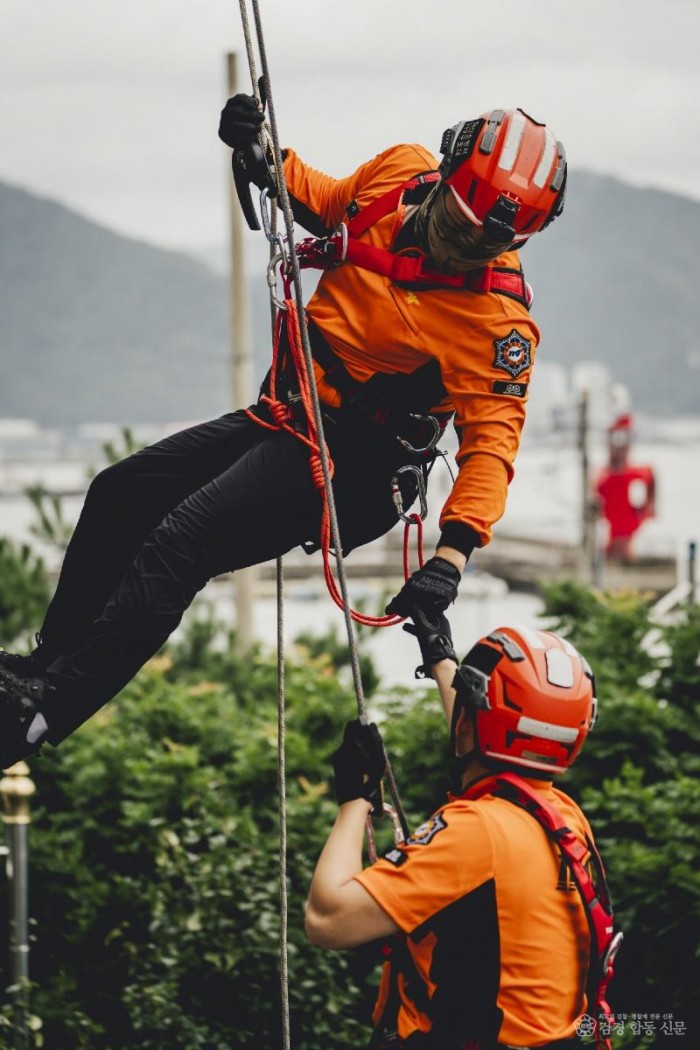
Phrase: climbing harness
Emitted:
{"points": [[595, 897], [593, 889], [413, 270]]}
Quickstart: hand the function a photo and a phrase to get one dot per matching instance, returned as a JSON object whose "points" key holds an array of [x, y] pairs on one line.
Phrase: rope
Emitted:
{"points": [[282, 789], [323, 456], [281, 690], [283, 419]]}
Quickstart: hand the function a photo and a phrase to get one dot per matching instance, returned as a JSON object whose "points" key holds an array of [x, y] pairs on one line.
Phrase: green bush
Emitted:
{"points": [[637, 781], [24, 592], [154, 889]]}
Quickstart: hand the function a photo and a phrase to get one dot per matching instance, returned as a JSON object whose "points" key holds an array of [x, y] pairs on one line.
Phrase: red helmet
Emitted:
{"points": [[507, 173], [532, 697]]}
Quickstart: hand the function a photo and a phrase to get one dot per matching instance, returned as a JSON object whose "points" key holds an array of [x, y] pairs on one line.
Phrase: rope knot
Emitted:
{"points": [[279, 411], [316, 467]]}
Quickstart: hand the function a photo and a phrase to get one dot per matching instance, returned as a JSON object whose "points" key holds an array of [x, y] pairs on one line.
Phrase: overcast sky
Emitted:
{"points": [[112, 106]]}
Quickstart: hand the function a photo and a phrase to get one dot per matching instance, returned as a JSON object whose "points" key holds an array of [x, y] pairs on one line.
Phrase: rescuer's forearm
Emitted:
{"points": [[443, 674], [341, 858]]}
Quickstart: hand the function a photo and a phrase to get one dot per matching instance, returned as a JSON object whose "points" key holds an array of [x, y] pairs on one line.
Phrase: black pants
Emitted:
{"points": [[158, 525]]}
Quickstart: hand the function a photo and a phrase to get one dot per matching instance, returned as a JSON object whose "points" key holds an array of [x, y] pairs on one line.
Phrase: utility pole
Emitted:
{"points": [[16, 789], [241, 380], [591, 568]]}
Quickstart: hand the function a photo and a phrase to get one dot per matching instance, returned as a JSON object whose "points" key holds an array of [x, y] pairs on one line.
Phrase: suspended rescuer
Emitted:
{"points": [[426, 320], [486, 935]]}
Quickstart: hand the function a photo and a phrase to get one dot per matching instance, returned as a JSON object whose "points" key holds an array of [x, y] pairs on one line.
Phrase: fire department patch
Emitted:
{"points": [[427, 832], [512, 353]]}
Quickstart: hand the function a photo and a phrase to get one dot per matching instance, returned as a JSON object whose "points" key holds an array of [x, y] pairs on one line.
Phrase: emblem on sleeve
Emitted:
{"points": [[512, 353], [427, 832]]}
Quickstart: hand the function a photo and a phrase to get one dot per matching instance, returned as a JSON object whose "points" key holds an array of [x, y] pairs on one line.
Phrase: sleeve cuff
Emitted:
{"points": [[460, 536]]}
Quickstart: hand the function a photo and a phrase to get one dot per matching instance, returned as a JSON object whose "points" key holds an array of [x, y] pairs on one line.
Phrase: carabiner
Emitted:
{"points": [[393, 816], [275, 260], [433, 440], [398, 499]]}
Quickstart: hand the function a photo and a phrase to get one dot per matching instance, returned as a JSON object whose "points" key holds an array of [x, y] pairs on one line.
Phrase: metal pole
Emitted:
{"points": [[590, 560], [241, 381], [16, 789], [692, 571]]}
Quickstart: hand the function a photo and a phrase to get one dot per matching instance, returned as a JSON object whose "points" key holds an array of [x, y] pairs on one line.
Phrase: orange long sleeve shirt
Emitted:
{"points": [[484, 342]]}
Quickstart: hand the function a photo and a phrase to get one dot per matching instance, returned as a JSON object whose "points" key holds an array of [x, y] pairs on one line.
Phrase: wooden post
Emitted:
{"points": [[244, 580], [590, 562]]}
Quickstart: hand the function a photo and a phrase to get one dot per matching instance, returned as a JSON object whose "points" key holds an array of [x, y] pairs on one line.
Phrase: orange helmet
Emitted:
{"points": [[507, 173], [531, 695]]}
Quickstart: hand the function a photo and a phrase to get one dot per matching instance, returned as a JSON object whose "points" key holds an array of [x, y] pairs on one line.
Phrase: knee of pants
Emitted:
{"points": [[110, 481]]}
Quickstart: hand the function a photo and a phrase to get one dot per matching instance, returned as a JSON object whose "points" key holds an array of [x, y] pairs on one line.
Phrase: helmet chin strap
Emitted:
{"points": [[458, 766]]}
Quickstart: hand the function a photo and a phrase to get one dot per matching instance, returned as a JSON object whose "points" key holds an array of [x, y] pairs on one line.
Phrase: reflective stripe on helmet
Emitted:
{"points": [[511, 145], [548, 154], [547, 731]]}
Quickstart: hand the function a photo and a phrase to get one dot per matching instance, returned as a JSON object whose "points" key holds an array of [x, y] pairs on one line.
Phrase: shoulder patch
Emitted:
{"points": [[427, 832], [513, 353], [501, 386], [396, 856]]}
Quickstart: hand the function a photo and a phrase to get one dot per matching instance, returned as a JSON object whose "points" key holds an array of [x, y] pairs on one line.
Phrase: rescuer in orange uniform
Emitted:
{"points": [[487, 938], [446, 332]]}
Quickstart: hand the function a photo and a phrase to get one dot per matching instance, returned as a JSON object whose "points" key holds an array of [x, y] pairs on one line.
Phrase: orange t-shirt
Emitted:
{"points": [[496, 932], [484, 342]]}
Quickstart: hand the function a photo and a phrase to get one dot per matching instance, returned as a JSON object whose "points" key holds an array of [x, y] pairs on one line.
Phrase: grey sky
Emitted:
{"points": [[112, 107]]}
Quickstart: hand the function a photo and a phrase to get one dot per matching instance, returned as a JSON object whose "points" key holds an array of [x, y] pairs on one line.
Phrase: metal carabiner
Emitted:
{"points": [[393, 816], [275, 260], [275, 239], [609, 957], [433, 440], [398, 498]]}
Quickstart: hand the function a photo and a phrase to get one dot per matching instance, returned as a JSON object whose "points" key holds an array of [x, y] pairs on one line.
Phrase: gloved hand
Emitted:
{"points": [[359, 765], [240, 122], [435, 640], [429, 590]]}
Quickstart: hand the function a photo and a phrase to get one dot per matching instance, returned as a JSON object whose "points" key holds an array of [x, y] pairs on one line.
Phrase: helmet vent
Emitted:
{"points": [[560, 668], [508, 702]]}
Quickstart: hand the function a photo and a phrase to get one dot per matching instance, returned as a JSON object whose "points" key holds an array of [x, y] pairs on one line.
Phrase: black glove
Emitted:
{"points": [[435, 640], [240, 122], [429, 590], [359, 765]]}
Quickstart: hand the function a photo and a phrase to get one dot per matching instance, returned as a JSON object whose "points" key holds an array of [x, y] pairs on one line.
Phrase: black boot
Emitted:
{"points": [[22, 726]]}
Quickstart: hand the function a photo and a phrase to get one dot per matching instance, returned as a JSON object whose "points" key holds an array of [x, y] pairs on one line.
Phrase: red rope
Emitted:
{"points": [[283, 420]]}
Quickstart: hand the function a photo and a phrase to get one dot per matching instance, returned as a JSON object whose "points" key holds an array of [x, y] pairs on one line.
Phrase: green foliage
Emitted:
{"points": [[154, 845], [24, 592], [154, 864], [50, 526], [637, 780]]}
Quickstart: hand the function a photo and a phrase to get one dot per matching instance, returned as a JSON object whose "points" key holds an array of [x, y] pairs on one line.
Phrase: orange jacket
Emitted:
{"points": [[497, 935], [484, 342]]}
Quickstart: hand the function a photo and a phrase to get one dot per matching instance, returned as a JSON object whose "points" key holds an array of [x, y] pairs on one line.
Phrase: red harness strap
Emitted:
{"points": [[344, 246], [596, 900]]}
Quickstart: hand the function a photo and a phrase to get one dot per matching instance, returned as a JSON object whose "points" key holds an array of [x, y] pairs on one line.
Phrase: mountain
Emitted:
{"points": [[615, 281], [96, 326]]}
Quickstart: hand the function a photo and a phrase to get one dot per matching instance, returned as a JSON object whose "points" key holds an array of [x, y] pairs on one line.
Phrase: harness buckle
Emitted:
{"points": [[398, 498]]}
